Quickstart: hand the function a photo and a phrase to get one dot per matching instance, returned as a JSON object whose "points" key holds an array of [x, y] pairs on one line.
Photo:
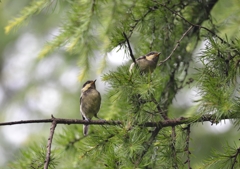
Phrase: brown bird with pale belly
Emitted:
{"points": [[146, 63], [90, 102]]}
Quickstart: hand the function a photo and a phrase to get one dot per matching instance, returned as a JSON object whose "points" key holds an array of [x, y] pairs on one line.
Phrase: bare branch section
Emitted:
{"points": [[63, 121], [130, 49], [235, 158], [178, 43], [48, 155], [199, 26], [165, 123], [195, 25], [174, 153], [187, 146]]}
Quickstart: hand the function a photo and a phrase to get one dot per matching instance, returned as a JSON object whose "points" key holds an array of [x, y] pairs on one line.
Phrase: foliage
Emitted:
{"points": [[93, 27], [33, 156]]}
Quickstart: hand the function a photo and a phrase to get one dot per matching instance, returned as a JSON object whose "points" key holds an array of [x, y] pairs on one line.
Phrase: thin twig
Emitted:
{"points": [[199, 26], [75, 140], [48, 155], [153, 33], [195, 25], [103, 142], [137, 21], [130, 49], [148, 145], [187, 146], [235, 158], [174, 153], [178, 43], [162, 113]]}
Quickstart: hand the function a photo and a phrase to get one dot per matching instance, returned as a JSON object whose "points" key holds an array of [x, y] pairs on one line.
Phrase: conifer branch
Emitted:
{"points": [[71, 143], [130, 49], [187, 146], [48, 155], [235, 158], [173, 143], [34, 7], [199, 26], [162, 113], [178, 43], [195, 25], [140, 19], [103, 142], [147, 145], [63, 121], [164, 123]]}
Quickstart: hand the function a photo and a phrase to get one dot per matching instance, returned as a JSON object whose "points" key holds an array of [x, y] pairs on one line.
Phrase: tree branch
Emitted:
{"points": [[162, 113], [235, 158], [148, 145], [103, 142], [195, 25], [141, 19], [71, 143], [48, 155], [63, 121], [164, 123], [130, 49], [187, 146], [173, 144], [178, 43]]}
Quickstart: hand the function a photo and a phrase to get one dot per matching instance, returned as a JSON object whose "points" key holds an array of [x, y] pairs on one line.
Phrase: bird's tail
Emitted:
{"points": [[85, 129]]}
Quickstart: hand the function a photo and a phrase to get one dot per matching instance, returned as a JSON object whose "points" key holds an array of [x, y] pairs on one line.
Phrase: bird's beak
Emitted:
{"points": [[158, 53], [94, 81]]}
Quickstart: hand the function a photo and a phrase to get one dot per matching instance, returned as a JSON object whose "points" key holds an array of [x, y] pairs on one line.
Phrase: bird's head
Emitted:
{"points": [[90, 84], [153, 56]]}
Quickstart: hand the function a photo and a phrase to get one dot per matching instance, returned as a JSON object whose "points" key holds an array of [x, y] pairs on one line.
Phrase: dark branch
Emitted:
{"points": [[148, 145], [102, 143], [235, 158], [199, 26], [164, 123], [173, 144], [195, 25], [187, 146], [63, 121], [137, 21], [178, 43], [48, 155], [71, 143], [162, 113], [130, 49]]}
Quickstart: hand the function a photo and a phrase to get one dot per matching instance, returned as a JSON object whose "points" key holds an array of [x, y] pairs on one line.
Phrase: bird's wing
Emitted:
{"points": [[81, 111], [140, 58], [131, 67]]}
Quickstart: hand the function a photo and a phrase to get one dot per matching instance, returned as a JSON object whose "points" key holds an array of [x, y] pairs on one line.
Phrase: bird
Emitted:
{"points": [[90, 101], [146, 63]]}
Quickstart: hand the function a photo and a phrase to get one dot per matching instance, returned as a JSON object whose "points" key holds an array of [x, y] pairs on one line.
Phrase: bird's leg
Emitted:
{"points": [[85, 118], [99, 118]]}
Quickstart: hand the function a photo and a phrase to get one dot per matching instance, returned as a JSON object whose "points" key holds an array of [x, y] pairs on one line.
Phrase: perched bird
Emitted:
{"points": [[90, 102], [146, 63]]}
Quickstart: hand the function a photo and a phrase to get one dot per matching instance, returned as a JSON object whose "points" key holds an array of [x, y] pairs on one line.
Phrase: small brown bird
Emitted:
{"points": [[146, 63], [90, 102]]}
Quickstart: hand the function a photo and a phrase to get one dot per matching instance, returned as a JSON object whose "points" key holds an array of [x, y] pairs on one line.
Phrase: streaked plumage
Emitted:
{"points": [[146, 63], [90, 102]]}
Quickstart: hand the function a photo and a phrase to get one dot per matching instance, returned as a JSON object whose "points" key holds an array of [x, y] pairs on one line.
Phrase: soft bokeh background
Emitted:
{"points": [[33, 88]]}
